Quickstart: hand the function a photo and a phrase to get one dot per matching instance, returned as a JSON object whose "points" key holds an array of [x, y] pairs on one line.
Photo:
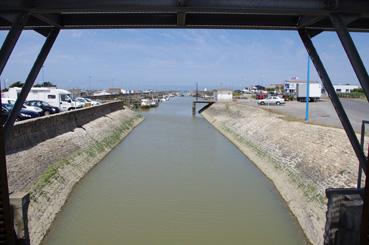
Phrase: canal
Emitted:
{"points": [[175, 181]]}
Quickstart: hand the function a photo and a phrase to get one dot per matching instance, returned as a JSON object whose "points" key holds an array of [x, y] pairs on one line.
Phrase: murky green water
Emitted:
{"points": [[175, 181]]}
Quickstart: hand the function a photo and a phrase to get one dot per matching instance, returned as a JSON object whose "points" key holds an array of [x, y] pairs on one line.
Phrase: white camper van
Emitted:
{"points": [[56, 97]]}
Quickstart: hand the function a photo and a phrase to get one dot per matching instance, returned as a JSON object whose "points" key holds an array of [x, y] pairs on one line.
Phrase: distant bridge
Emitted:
{"points": [[207, 102]]}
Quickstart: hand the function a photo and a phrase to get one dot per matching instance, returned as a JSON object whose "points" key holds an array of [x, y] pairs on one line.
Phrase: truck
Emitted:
{"points": [[55, 97], [315, 92]]}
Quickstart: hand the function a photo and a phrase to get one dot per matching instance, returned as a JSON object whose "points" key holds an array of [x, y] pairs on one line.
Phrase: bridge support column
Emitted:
{"points": [[7, 235], [193, 108], [364, 228], [306, 39], [362, 75], [20, 202]]}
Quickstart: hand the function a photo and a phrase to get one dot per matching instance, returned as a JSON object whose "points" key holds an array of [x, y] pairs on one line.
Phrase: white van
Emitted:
{"points": [[56, 97]]}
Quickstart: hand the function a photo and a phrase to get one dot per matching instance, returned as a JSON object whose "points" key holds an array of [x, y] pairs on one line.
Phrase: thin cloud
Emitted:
{"points": [[142, 58]]}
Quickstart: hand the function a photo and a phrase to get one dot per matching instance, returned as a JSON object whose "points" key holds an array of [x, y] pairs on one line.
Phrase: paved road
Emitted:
{"points": [[323, 112]]}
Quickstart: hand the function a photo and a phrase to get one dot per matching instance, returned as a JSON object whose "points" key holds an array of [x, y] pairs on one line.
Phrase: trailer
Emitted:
{"points": [[315, 92], [55, 97]]}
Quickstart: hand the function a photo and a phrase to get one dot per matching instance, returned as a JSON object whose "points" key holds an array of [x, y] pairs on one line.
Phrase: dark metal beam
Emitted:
{"points": [[11, 39], [43, 31], [352, 53], [261, 6], [313, 33], [156, 19], [314, 29], [237, 14], [8, 19], [31, 79], [306, 39], [364, 228], [362, 143], [51, 19], [305, 21], [6, 224], [181, 19]]}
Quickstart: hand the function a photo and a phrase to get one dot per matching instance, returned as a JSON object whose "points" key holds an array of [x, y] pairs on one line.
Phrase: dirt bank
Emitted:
{"points": [[301, 159], [49, 170]]}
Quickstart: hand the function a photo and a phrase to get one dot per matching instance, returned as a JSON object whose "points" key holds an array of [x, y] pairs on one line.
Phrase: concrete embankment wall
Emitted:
{"points": [[52, 161], [26, 134], [302, 160]]}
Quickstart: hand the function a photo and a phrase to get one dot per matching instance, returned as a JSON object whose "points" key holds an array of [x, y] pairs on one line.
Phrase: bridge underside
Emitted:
{"points": [[262, 14], [308, 17]]}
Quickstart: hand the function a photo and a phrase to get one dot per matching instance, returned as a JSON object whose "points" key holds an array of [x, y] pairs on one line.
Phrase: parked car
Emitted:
{"points": [[78, 104], [33, 108], [261, 96], [23, 114], [271, 100], [28, 107], [93, 102], [56, 97], [87, 102], [46, 107]]}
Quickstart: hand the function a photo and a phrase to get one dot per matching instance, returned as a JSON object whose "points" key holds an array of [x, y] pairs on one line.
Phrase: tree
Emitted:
{"points": [[358, 90], [16, 84], [45, 84]]}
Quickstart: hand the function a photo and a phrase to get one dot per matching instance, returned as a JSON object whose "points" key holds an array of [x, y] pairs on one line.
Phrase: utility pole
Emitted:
{"points": [[307, 91], [197, 90]]}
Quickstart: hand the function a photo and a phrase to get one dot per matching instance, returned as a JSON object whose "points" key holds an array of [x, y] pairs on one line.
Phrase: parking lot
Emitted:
{"points": [[322, 112]]}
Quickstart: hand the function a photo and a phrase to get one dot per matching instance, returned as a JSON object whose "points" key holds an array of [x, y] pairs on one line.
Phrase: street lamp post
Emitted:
{"points": [[307, 91]]}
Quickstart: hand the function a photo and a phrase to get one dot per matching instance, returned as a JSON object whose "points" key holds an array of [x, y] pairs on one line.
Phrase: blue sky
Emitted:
{"points": [[165, 59]]}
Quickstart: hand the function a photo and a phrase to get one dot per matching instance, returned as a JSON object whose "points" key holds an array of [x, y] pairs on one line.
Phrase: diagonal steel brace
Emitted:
{"points": [[351, 52], [306, 39], [31, 79], [11, 39]]}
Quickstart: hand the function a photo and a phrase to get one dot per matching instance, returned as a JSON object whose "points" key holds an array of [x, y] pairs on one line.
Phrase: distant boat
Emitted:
{"points": [[154, 103], [147, 103], [165, 98]]}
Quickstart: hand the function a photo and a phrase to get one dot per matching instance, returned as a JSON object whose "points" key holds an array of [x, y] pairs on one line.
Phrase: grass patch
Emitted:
{"points": [[48, 175]]}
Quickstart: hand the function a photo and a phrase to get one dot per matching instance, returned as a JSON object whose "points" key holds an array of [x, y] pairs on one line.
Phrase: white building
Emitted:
{"points": [[124, 91], [344, 88], [100, 93], [223, 95]]}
